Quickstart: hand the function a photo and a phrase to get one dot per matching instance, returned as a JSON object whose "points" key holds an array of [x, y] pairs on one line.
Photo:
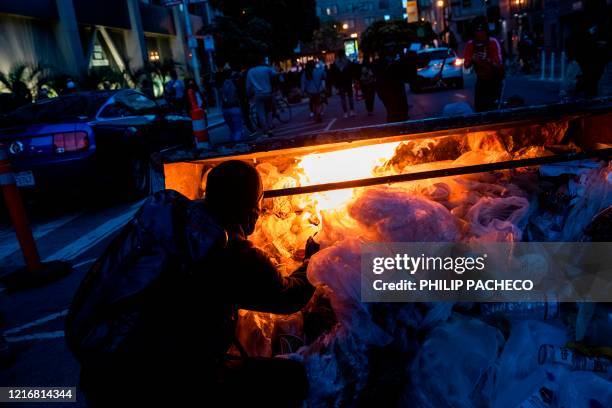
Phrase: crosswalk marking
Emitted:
{"points": [[36, 322], [330, 124], [87, 241], [36, 336], [8, 240]]}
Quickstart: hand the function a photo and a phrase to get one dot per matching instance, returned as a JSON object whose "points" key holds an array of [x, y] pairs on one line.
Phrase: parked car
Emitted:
{"points": [[88, 138], [437, 68]]}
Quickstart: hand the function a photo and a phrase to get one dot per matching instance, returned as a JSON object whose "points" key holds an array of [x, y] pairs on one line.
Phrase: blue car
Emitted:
{"points": [[83, 140]]}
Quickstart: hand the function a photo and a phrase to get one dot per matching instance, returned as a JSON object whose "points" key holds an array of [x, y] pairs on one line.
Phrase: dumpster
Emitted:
{"points": [[539, 173]]}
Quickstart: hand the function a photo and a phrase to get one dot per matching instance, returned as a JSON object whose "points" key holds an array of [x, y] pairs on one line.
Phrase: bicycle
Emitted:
{"points": [[281, 111]]}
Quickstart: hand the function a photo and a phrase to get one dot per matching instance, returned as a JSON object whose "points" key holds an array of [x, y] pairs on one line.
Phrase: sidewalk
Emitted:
{"points": [[215, 118]]}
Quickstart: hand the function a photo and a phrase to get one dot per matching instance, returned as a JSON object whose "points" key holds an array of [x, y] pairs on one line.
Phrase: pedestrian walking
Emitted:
{"points": [[70, 87], [313, 85], [230, 104], [593, 49], [191, 85], [485, 55], [367, 82], [174, 92], [391, 76], [245, 106], [342, 73], [571, 82], [259, 87]]}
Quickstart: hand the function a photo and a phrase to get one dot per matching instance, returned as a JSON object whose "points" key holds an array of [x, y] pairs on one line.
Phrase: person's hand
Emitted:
{"points": [[312, 247]]}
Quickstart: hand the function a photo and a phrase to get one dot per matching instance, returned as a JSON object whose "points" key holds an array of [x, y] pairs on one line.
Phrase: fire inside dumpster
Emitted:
{"points": [[344, 340]]}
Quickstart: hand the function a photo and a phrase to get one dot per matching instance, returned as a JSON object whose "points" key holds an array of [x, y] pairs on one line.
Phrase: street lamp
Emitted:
{"points": [[440, 3], [345, 26]]}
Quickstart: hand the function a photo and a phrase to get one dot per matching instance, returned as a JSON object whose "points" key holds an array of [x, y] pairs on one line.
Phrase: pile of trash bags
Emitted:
{"points": [[449, 354], [464, 355]]}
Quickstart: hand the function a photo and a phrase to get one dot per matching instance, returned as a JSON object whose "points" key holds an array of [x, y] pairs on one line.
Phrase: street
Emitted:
{"points": [[32, 320], [422, 105]]}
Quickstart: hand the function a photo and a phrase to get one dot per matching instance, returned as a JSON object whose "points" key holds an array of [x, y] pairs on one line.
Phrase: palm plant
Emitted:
{"points": [[23, 79]]}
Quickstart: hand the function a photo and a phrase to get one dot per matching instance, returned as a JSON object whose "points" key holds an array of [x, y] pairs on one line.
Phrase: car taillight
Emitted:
{"points": [[458, 62], [70, 142]]}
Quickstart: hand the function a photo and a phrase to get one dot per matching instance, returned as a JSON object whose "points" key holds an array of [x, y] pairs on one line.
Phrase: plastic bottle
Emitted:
{"points": [[572, 360], [522, 310], [542, 398]]}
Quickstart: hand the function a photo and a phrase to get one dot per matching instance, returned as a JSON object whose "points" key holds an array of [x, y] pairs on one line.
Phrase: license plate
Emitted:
{"points": [[25, 179]]}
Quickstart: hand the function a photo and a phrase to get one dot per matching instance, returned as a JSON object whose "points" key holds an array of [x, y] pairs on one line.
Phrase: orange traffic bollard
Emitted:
{"points": [[198, 119], [35, 273]]}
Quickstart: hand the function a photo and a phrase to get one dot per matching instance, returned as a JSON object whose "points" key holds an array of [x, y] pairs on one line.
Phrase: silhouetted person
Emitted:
{"points": [[230, 103], [172, 347], [593, 48], [70, 87], [174, 92], [391, 77], [342, 74], [259, 87], [313, 85], [367, 83], [485, 54]]}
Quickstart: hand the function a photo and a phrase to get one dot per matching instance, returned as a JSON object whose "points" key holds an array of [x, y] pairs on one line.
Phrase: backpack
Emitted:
{"points": [[229, 94], [168, 235], [367, 76]]}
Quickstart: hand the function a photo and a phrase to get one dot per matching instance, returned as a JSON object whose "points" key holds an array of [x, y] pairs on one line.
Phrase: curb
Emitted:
{"points": [[215, 125]]}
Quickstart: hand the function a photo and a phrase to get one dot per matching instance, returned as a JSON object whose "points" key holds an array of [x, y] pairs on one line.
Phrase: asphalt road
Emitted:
{"points": [[32, 321], [423, 105]]}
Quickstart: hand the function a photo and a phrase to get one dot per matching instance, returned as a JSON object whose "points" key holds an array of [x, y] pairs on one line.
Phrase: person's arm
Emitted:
{"points": [[261, 287], [468, 55], [303, 82], [496, 52]]}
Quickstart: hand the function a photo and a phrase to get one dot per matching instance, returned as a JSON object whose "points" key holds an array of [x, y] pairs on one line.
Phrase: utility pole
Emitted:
{"points": [[192, 43], [211, 61]]}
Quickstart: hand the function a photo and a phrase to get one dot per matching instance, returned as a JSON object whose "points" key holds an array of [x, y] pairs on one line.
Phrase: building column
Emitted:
{"points": [[68, 38], [179, 48], [135, 40]]}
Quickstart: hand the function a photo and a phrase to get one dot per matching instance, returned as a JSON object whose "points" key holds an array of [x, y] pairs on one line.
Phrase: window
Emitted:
{"points": [[387, 17], [367, 6], [383, 4], [137, 102], [129, 104], [153, 55], [116, 110], [369, 20], [331, 10]]}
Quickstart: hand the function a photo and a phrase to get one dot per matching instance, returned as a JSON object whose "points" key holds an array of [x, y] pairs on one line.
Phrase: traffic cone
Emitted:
{"points": [[198, 121], [35, 273]]}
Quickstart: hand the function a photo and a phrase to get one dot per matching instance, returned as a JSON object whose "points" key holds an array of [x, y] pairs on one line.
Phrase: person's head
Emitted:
{"points": [[310, 66], [481, 32], [191, 84], [233, 194]]}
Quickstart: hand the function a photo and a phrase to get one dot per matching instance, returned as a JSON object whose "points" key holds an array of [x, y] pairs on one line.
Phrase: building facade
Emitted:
{"points": [[74, 35], [549, 23], [354, 16]]}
